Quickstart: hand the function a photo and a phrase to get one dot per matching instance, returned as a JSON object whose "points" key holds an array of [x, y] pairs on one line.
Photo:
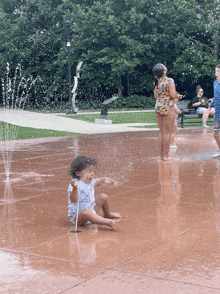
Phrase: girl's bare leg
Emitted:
{"points": [[102, 202], [86, 215], [172, 139], [173, 135], [168, 125]]}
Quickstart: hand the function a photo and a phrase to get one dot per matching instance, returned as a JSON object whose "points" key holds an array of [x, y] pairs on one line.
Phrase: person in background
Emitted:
{"points": [[201, 106], [216, 104]]}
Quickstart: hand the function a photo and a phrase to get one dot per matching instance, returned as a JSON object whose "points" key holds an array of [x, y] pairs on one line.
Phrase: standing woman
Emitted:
{"points": [[164, 93]]}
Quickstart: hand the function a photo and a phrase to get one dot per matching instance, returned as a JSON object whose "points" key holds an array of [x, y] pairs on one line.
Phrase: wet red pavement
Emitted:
{"points": [[168, 240]]}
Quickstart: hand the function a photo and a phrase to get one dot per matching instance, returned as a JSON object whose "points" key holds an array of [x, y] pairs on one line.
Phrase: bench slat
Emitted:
{"points": [[191, 116]]}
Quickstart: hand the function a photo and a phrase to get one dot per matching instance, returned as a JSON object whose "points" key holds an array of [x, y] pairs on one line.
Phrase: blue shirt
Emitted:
{"points": [[216, 100]]}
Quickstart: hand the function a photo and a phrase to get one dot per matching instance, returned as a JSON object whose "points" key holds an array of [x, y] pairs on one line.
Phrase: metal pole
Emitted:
{"points": [[69, 50], [70, 86]]}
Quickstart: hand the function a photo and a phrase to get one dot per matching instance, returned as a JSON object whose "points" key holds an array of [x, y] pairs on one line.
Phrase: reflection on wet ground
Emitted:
{"points": [[168, 239]]}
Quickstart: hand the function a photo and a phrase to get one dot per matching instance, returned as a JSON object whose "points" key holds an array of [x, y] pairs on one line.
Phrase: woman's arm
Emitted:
{"points": [[173, 93], [211, 103], [155, 95], [196, 104]]}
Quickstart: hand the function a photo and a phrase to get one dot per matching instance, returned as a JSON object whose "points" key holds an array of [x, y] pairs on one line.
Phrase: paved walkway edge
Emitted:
{"points": [[58, 122]]}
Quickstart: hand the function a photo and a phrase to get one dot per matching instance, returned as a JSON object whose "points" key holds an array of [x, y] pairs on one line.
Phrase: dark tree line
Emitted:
{"points": [[119, 42]]}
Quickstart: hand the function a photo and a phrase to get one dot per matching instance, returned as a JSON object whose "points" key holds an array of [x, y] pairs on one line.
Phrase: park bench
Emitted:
{"points": [[188, 112]]}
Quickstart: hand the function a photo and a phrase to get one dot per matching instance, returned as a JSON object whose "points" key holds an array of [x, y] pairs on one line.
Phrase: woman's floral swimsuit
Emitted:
{"points": [[163, 101]]}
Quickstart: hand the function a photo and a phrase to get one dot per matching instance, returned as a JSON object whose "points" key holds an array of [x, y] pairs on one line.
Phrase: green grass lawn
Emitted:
{"points": [[28, 133], [196, 122], [120, 118], [188, 123], [135, 117]]}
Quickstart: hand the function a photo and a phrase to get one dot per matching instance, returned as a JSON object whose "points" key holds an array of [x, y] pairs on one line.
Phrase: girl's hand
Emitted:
{"points": [[74, 195], [109, 180], [180, 96], [105, 180], [74, 185]]}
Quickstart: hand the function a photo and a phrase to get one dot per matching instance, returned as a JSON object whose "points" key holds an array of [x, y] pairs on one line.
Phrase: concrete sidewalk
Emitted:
{"points": [[60, 122]]}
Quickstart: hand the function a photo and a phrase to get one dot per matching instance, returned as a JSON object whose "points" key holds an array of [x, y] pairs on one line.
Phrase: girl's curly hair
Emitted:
{"points": [[79, 163]]}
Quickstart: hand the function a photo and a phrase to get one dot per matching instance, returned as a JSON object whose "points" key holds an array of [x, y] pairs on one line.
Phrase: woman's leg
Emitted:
{"points": [[216, 126], [217, 139], [168, 128], [212, 111], [205, 115], [159, 119]]}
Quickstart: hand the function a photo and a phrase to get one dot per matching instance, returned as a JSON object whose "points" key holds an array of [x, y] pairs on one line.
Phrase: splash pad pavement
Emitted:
{"points": [[168, 239]]}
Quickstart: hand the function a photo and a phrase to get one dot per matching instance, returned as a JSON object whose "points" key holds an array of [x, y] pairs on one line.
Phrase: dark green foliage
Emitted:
{"points": [[133, 101], [119, 42]]}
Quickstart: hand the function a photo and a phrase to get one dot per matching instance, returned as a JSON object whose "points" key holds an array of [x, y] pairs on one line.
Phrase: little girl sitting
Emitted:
{"points": [[81, 189]]}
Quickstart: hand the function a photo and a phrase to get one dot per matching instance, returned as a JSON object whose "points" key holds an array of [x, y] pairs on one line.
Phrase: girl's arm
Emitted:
{"points": [[104, 180], [74, 195], [177, 110]]}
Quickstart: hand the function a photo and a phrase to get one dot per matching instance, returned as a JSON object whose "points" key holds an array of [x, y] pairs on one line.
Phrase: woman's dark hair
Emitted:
{"points": [[157, 72], [197, 89], [79, 163]]}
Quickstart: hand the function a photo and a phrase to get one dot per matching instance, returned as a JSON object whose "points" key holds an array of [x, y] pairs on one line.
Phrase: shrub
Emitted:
{"points": [[133, 101]]}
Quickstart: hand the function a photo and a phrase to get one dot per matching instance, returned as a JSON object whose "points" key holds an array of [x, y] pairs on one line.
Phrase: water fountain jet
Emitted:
{"points": [[76, 223], [8, 134], [15, 90]]}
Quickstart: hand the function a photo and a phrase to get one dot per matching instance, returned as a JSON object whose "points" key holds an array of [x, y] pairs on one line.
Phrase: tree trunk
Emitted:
{"points": [[215, 51], [128, 84], [119, 87]]}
